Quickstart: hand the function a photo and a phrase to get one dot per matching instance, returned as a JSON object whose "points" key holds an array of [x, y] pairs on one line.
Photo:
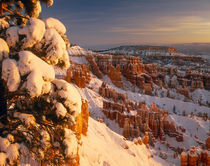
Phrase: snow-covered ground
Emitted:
{"points": [[103, 147], [165, 103], [77, 50]]}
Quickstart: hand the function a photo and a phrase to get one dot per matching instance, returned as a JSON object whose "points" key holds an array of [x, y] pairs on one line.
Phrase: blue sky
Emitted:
{"points": [[105, 23]]}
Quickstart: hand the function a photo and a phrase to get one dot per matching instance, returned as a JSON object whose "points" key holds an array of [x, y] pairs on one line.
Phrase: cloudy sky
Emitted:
{"points": [[104, 23]]}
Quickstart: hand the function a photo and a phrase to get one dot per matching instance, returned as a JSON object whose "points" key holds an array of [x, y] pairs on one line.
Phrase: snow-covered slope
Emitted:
{"points": [[104, 140], [77, 50], [103, 147]]}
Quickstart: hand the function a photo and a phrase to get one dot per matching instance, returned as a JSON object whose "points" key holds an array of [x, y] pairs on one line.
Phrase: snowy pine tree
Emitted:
{"points": [[41, 110]]}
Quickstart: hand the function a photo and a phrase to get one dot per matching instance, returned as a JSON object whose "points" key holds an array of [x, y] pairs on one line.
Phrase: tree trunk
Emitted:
{"points": [[3, 104]]}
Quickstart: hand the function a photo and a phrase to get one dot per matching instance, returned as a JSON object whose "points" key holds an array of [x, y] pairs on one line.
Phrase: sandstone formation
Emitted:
{"points": [[85, 117], [78, 74], [196, 156], [146, 76], [115, 75], [136, 118], [94, 66]]}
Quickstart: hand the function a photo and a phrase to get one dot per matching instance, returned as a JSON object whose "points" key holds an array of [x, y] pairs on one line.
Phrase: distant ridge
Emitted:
{"points": [[139, 48]]}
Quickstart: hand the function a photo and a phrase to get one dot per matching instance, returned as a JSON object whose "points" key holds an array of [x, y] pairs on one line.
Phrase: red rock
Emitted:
{"points": [[85, 117], [94, 66], [115, 75], [126, 131], [68, 75], [146, 138], [193, 157], [184, 159], [139, 140], [79, 74], [208, 143]]}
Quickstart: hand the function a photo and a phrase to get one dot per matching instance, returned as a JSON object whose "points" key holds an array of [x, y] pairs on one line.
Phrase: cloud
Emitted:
{"points": [[141, 30], [168, 25]]}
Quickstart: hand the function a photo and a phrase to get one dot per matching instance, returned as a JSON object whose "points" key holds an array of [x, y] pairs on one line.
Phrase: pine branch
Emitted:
{"points": [[13, 14]]}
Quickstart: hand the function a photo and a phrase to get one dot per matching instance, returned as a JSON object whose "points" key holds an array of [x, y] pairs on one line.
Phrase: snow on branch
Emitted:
{"points": [[34, 32], [72, 98], [40, 73], [55, 24], [10, 74], [4, 49]]}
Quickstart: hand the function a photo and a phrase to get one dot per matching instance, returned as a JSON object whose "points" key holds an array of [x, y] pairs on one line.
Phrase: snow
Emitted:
{"points": [[4, 49], [27, 119], [66, 63], [11, 138], [24, 150], [60, 72], [56, 41], [55, 24], [60, 110], [12, 152], [167, 79], [35, 84], [78, 60], [3, 23], [3, 158], [70, 142], [103, 147], [36, 9], [10, 74], [49, 3], [167, 103], [39, 78], [45, 138], [12, 36], [56, 48], [70, 94], [77, 50], [34, 32], [194, 127], [201, 94], [4, 144]]}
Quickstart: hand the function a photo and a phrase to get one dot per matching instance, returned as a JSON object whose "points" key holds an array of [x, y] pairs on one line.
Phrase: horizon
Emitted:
{"points": [[101, 47], [95, 24]]}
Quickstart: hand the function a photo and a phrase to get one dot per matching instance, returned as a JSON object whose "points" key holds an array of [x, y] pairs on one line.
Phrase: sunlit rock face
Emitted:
{"points": [[78, 74]]}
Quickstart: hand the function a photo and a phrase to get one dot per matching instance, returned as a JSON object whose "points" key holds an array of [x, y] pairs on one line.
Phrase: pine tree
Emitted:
{"points": [[41, 110]]}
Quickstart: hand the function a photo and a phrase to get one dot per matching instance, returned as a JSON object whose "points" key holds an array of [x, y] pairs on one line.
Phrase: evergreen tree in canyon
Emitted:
{"points": [[38, 112]]}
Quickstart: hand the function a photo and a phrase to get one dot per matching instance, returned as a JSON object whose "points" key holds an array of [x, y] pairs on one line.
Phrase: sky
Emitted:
{"points": [[107, 23]]}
